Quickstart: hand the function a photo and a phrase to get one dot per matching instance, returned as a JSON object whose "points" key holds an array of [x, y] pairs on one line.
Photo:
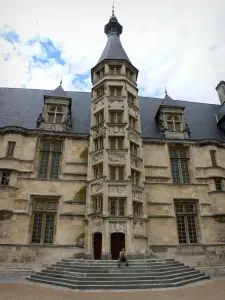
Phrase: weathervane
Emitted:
{"points": [[165, 91], [113, 7], [61, 81]]}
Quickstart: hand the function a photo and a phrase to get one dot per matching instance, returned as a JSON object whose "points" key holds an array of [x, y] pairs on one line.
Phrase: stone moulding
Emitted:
{"points": [[219, 217], [97, 188], [115, 103]]}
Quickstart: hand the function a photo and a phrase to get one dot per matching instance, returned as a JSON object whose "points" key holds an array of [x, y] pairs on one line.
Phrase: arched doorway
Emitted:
{"points": [[97, 243], [117, 244]]}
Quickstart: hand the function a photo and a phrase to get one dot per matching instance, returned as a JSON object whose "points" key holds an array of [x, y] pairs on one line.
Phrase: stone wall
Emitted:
{"points": [[34, 257]]}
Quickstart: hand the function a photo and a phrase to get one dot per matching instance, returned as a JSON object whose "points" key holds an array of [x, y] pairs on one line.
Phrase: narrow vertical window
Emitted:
{"points": [[10, 149]]}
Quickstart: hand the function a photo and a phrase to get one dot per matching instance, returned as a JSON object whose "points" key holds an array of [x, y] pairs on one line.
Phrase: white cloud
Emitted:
{"points": [[168, 41]]}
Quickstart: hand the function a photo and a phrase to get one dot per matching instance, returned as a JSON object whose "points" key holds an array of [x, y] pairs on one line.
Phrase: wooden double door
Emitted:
{"points": [[117, 244]]}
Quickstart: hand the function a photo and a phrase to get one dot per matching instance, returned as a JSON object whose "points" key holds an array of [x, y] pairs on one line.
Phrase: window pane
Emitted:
{"points": [[183, 153], [181, 229], [177, 126], [173, 153], [121, 173], [10, 150], [179, 208], [112, 144], [43, 171], [46, 146], [192, 229], [37, 226], [113, 207], [213, 157], [5, 177], [49, 228], [121, 207], [190, 208], [175, 170], [51, 206], [218, 184], [112, 118], [170, 126], [119, 118], [55, 165], [184, 170], [119, 91], [113, 173], [57, 147], [120, 143], [39, 205], [50, 118]]}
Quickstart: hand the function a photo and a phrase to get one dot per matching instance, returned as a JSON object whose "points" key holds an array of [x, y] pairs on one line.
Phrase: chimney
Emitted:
{"points": [[221, 91]]}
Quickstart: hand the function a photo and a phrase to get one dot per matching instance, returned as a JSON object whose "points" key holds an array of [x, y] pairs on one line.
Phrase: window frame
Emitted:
{"points": [[44, 212], [132, 122], [55, 113], [97, 170], [50, 153], [97, 204], [213, 157], [118, 171], [172, 124], [5, 179], [179, 160], [137, 209], [218, 182], [118, 143], [118, 210], [185, 215], [116, 91], [134, 149], [135, 177], [10, 149], [99, 117], [115, 69], [116, 117], [98, 143]]}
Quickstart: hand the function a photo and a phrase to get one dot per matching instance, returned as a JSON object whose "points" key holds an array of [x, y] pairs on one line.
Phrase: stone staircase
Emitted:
{"points": [[105, 274]]}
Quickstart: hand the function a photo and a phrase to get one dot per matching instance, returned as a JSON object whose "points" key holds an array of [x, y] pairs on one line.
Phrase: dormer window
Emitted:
{"points": [[55, 114], [174, 122], [115, 69]]}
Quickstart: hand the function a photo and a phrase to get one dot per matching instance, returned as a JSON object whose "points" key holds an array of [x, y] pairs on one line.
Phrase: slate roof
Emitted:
{"points": [[21, 107], [113, 49]]}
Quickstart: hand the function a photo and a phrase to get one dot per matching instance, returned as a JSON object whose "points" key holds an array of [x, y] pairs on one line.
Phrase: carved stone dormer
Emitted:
{"points": [[56, 113], [170, 119]]}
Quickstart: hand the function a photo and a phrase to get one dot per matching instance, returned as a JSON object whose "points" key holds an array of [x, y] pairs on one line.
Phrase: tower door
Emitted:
{"points": [[97, 240], [117, 244]]}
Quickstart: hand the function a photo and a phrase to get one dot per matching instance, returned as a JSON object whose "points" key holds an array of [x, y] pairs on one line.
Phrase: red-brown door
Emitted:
{"points": [[117, 244], [97, 245]]}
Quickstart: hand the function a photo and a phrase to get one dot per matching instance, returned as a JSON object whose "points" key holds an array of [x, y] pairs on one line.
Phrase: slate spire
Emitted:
{"points": [[59, 91], [113, 49]]}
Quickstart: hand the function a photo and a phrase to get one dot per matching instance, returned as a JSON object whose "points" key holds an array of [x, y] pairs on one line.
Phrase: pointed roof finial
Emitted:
{"points": [[113, 7], [61, 81], [165, 91]]}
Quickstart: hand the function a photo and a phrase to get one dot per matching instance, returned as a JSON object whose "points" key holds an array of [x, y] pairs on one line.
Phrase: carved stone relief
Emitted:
{"points": [[116, 189], [116, 104], [5, 215], [55, 127], [97, 225], [136, 194], [96, 188], [98, 131], [140, 245], [117, 227], [139, 228], [117, 157], [98, 104], [135, 162], [134, 137], [116, 130], [97, 157]]}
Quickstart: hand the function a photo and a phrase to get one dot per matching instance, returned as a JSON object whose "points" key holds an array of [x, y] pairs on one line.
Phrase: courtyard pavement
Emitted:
{"points": [[19, 289]]}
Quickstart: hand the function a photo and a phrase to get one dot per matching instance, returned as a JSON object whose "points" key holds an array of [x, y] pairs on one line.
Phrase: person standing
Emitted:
{"points": [[122, 258]]}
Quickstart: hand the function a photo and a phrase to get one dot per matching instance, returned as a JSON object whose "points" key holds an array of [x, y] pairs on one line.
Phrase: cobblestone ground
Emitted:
{"points": [[15, 288]]}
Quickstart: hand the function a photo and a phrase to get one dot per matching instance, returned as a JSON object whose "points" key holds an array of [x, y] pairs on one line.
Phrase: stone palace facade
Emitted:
{"points": [[94, 172]]}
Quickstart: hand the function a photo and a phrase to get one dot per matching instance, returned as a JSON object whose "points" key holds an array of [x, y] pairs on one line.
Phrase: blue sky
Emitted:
{"points": [[173, 43]]}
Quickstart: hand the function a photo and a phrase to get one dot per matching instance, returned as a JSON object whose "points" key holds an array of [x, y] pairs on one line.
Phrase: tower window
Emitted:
{"points": [[115, 91], [100, 73], [116, 117], [55, 114], [129, 74], [117, 206], [99, 117], [116, 173], [137, 209], [98, 170], [97, 203], [98, 143], [10, 149], [132, 122], [213, 157], [116, 143], [115, 69], [131, 98], [133, 148], [100, 91], [179, 165], [135, 177]]}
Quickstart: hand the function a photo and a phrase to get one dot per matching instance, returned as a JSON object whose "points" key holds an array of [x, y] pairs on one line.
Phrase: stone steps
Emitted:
{"points": [[102, 275]]}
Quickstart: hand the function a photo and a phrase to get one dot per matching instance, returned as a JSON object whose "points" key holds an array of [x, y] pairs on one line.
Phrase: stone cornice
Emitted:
{"points": [[210, 167], [196, 142], [17, 159], [42, 133]]}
